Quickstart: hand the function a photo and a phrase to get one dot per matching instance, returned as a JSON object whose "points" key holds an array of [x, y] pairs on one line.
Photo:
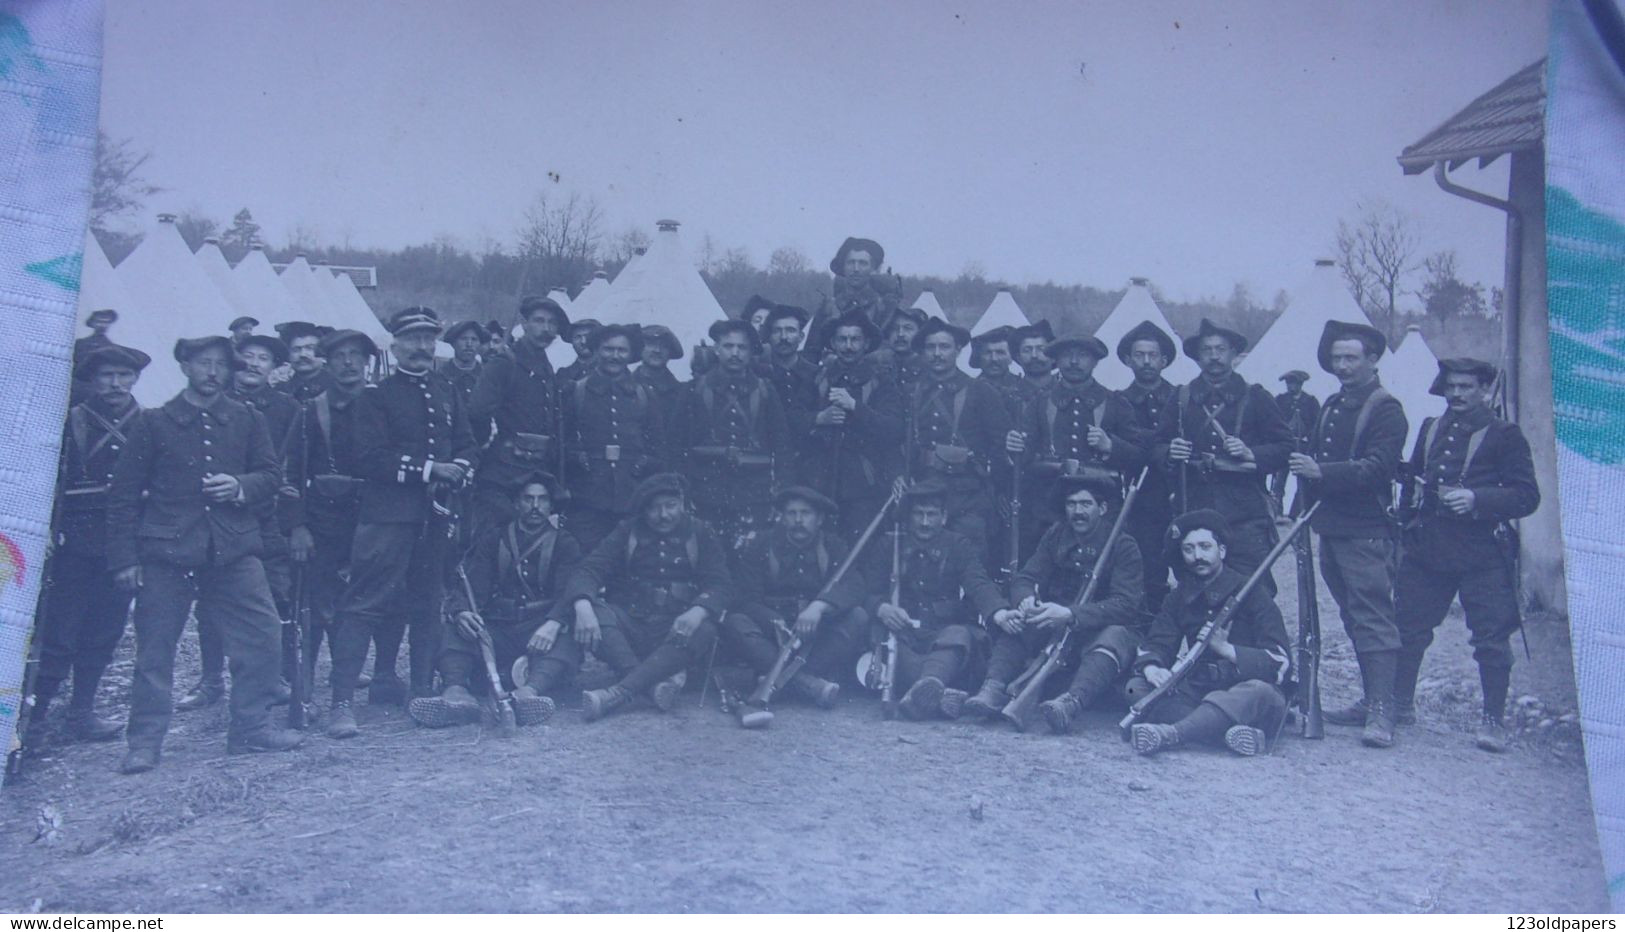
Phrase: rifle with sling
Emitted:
{"points": [[1029, 686], [296, 630], [1219, 622], [507, 722]]}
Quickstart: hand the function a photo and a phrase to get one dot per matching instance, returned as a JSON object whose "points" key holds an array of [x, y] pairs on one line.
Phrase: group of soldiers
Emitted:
{"points": [[829, 501]]}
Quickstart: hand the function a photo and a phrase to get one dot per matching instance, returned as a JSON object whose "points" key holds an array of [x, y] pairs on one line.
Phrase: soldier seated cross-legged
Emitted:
{"points": [[648, 597], [515, 574]]}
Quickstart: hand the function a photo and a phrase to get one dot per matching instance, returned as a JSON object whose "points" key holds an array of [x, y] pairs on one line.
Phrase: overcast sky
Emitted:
{"points": [[1196, 143]]}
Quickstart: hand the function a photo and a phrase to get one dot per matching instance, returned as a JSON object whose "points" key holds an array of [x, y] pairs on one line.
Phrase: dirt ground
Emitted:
{"points": [[825, 811]]}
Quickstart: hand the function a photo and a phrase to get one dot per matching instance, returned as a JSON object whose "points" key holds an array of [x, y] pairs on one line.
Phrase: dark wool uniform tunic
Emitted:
{"points": [[517, 392], [303, 387], [464, 380], [665, 391], [945, 587], [647, 580], [1446, 554], [613, 437], [84, 611], [961, 412], [402, 425], [1249, 689], [797, 385], [191, 547], [329, 506], [517, 578], [1215, 480], [854, 463], [903, 370], [1064, 415], [776, 579], [1355, 491], [1154, 506], [719, 414]]}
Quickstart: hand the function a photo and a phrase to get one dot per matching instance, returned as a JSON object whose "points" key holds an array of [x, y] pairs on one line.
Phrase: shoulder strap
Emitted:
{"points": [[1184, 394], [631, 544], [1100, 413], [959, 407], [1241, 411], [1363, 419], [772, 565], [1473, 443], [507, 547], [823, 558], [692, 546], [79, 426], [544, 555]]}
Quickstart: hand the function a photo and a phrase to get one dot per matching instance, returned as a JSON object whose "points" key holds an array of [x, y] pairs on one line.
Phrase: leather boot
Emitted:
{"points": [[1061, 712], [1149, 739], [1245, 740], [819, 692], [456, 706], [341, 721], [531, 707], [923, 699], [666, 691], [139, 760], [263, 740], [1491, 735], [952, 703], [989, 701], [1379, 725], [597, 703], [203, 695], [1379, 717], [1407, 667], [86, 725]]}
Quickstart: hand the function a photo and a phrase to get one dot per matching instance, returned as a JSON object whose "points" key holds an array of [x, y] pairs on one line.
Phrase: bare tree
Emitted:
{"points": [[706, 255], [1444, 294], [787, 260], [194, 227], [1377, 253], [559, 240], [632, 241], [117, 187]]}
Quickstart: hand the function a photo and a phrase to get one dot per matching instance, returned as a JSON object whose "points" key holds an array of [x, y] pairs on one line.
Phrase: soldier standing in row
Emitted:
{"points": [[990, 354], [1301, 411], [665, 583], [99, 321], [515, 574], [781, 593], [731, 430], [1027, 343], [899, 359], [1219, 440], [660, 347], [613, 435], [860, 287], [580, 337], [414, 450], [1349, 466], [1147, 350], [84, 612], [518, 393], [942, 590], [852, 456], [1234, 694], [1471, 473], [792, 375], [468, 340], [183, 524], [1047, 593], [241, 328], [309, 378]]}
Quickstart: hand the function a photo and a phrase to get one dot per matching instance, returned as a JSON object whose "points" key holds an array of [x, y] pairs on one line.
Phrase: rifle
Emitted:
{"points": [[1029, 686], [888, 668], [1308, 699], [790, 661], [294, 638], [1015, 505], [1219, 622], [506, 721]]}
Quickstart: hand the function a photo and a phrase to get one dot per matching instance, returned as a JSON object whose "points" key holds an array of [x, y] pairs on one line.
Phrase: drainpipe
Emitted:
{"points": [[1512, 293]]}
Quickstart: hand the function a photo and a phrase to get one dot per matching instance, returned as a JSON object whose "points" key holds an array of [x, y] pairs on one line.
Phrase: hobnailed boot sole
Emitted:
{"points": [[1056, 716], [533, 710], [1149, 739], [436, 712], [1245, 740], [922, 699], [952, 703]]}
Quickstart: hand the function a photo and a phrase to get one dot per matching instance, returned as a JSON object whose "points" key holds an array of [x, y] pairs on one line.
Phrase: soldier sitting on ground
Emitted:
{"points": [[516, 573], [1234, 693]]}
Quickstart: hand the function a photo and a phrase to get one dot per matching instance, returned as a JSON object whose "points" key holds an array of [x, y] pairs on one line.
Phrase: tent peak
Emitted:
{"points": [[666, 226], [1325, 262], [211, 240], [166, 218], [1140, 280]]}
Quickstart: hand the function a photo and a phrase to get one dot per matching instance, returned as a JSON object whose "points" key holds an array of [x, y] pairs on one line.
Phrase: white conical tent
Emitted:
{"points": [[1293, 341], [101, 290], [1136, 306], [668, 291], [359, 313], [258, 282], [215, 266], [927, 302], [586, 303], [1001, 312], [308, 295], [562, 299], [1407, 373], [177, 300]]}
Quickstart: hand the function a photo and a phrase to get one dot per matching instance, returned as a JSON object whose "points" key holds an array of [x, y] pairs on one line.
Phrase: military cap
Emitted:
{"points": [[1102, 485], [110, 355], [1295, 377], [461, 327], [996, 335], [296, 328], [495, 329], [781, 311], [1370, 337], [586, 323], [801, 493], [722, 328], [414, 318], [926, 490], [1476, 367], [1041, 330], [1210, 329], [242, 321], [187, 348], [100, 313], [335, 339], [932, 325], [1200, 519], [1146, 330], [837, 265], [756, 303], [1091, 345], [662, 483], [857, 318], [539, 475], [632, 332], [912, 313], [661, 334], [322, 330], [277, 348], [533, 303]]}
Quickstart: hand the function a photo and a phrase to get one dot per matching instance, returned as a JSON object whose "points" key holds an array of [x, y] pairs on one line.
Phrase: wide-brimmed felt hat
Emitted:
{"points": [[408, 320], [1485, 372], [857, 318], [110, 355], [1146, 330], [960, 335], [1370, 337], [1041, 331], [102, 312], [277, 348], [781, 311], [335, 339], [1294, 377], [756, 303], [586, 323], [662, 335], [530, 304], [296, 329], [915, 314], [242, 321], [186, 348], [1193, 342], [1105, 488], [632, 332], [802, 493], [837, 265], [456, 330], [1091, 345]]}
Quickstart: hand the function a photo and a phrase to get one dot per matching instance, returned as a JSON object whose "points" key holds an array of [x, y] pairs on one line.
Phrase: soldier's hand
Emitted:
{"points": [[1156, 675], [587, 631], [1015, 442], [469, 625], [893, 617], [542, 641], [220, 487], [1460, 501], [128, 579], [1237, 449], [841, 398], [447, 472], [301, 544], [1099, 439], [1050, 615], [1179, 450], [1220, 645], [899, 486], [1028, 607], [688, 622], [1303, 466], [807, 622], [1008, 619], [831, 417]]}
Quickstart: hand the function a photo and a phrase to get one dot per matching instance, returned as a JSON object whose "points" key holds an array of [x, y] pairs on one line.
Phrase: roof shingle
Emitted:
{"points": [[1509, 118]]}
